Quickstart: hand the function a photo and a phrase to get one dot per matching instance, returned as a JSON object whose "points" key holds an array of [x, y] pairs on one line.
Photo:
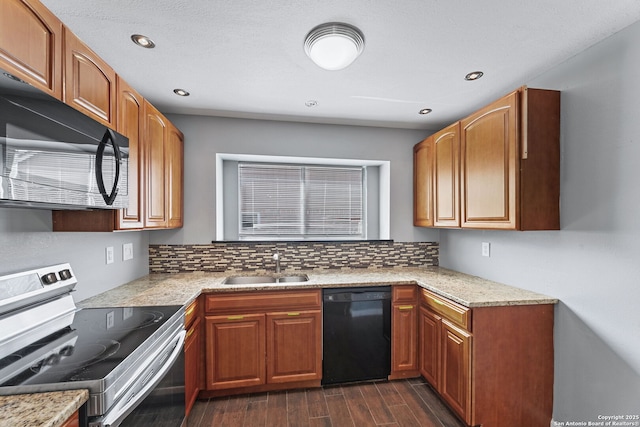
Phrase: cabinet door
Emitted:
{"points": [[175, 168], [192, 351], [429, 327], [404, 360], [155, 134], [455, 385], [130, 124], [31, 44], [235, 351], [490, 168], [89, 82], [423, 183], [294, 346], [446, 200]]}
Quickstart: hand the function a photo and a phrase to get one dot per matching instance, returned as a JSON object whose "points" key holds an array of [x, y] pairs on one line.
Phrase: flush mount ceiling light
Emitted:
{"points": [[334, 45], [181, 92], [143, 41], [425, 111], [474, 75]]}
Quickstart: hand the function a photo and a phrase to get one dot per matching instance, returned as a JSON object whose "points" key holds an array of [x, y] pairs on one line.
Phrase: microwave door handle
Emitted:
{"points": [[108, 136]]}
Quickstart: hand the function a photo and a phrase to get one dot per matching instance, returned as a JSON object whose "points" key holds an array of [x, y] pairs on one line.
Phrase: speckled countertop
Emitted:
{"points": [[182, 288], [49, 409]]}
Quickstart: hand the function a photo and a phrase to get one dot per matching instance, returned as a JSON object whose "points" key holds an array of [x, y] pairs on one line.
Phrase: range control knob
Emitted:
{"points": [[49, 279], [65, 274]]}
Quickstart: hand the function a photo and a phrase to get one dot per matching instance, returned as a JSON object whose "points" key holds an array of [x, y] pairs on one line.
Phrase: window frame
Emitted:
{"points": [[384, 192]]}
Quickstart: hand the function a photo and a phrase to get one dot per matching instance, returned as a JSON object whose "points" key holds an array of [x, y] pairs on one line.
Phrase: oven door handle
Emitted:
{"points": [[114, 417]]}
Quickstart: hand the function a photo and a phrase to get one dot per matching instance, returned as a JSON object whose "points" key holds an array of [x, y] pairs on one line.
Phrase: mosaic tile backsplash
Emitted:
{"points": [[257, 256]]}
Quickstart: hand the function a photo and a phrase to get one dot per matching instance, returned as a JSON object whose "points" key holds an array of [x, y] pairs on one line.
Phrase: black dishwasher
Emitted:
{"points": [[356, 334]]}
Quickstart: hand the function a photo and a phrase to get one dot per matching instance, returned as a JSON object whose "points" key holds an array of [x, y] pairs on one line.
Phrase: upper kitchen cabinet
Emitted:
{"points": [[175, 174], [90, 83], [31, 44], [423, 183], [446, 177], [130, 123], [500, 167], [156, 134]]}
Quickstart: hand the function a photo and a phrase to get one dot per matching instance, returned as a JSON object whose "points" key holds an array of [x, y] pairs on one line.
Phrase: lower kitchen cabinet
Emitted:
{"points": [[192, 374], [235, 351], [292, 346], [404, 325], [263, 340], [73, 420], [493, 366]]}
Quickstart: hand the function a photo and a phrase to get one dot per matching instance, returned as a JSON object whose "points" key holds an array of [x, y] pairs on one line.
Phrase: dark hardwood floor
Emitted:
{"points": [[380, 403]]}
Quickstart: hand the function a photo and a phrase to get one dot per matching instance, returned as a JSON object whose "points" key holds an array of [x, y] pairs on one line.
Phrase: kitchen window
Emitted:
{"points": [[300, 201], [299, 198]]}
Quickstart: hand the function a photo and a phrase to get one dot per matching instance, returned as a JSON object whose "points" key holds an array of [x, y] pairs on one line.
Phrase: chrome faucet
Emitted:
{"points": [[276, 258]]}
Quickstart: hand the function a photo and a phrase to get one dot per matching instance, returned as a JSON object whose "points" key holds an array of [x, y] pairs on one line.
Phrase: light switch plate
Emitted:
{"points": [[109, 255], [486, 249], [127, 251]]}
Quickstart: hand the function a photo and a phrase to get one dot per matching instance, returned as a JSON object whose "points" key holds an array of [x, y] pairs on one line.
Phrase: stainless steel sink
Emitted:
{"points": [[264, 280]]}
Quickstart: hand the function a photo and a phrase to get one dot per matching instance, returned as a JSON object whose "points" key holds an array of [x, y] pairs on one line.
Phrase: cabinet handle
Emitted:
{"points": [[235, 317], [189, 311], [405, 307], [437, 301], [293, 314], [189, 333]]}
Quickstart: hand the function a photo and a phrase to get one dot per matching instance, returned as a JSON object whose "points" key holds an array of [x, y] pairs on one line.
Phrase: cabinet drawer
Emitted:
{"points": [[456, 313], [405, 293], [191, 313], [262, 301]]}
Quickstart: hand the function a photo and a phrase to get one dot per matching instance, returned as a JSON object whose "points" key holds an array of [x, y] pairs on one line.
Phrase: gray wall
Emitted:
{"points": [[26, 241], [206, 136], [593, 264]]}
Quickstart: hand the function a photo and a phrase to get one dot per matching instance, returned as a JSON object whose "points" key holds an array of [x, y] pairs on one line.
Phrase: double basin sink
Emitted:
{"points": [[265, 280]]}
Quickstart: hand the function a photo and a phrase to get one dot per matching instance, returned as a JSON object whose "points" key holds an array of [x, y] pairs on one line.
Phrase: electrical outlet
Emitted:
{"points": [[127, 251], [486, 249], [109, 255], [111, 319]]}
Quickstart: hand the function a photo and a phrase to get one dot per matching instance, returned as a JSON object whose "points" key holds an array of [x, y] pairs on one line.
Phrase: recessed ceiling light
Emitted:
{"points": [[311, 103], [334, 45], [474, 75], [143, 41], [181, 92], [425, 111]]}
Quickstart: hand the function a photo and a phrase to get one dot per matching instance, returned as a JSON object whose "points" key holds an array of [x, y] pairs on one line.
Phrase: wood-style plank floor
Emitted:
{"points": [[381, 403]]}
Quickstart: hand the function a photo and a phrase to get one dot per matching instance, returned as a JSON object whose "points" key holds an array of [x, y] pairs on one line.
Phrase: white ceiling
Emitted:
{"points": [[245, 58]]}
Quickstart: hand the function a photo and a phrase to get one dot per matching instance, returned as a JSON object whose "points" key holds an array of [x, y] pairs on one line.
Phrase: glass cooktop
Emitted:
{"points": [[94, 344]]}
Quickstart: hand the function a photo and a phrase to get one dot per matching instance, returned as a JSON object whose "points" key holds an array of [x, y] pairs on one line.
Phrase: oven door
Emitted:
{"points": [[155, 394]]}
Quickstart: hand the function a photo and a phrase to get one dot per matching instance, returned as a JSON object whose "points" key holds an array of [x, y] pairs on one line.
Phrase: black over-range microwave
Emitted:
{"points": [[54, 157]]}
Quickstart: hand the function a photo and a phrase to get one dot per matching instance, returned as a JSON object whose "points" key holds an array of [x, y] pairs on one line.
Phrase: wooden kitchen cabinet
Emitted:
{"points": [[31, 44], [292, 346], [493, 366], [193, 378], [175, 173], [89, 82], [258, 341], [499, 168], [235, 351], [423, 183], [446, 177], [155, 125], [73, 420], [404, 325]]}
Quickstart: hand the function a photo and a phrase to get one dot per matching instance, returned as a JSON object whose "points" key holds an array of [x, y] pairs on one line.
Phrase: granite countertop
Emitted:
{"points": [[49, 409], [182, 288]]}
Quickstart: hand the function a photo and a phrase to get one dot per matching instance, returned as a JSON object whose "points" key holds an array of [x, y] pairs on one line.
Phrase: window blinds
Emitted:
{"points": [[286, 201]]}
